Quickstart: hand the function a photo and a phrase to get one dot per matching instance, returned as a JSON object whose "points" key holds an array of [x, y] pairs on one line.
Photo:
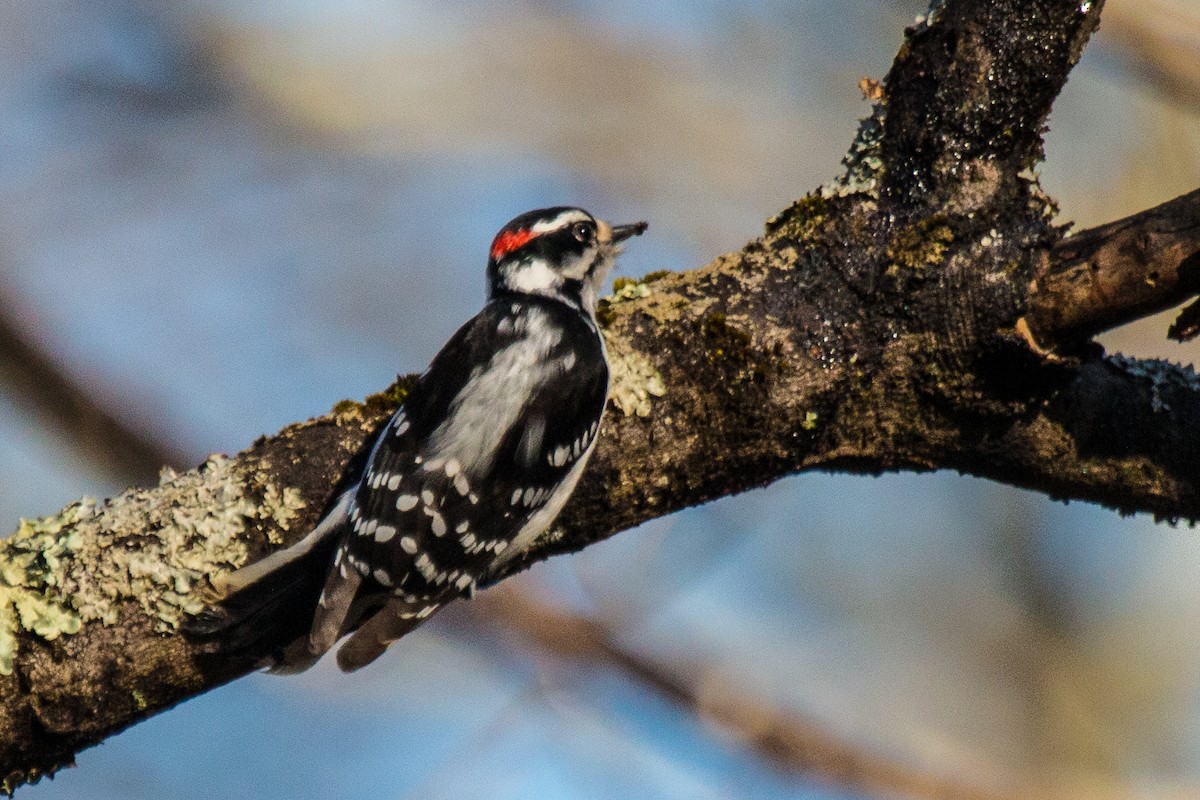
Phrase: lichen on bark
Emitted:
{"points": [[153, 547]]}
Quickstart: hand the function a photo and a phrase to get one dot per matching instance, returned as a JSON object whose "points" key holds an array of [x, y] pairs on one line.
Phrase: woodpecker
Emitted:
{"points": [[465, 476]]}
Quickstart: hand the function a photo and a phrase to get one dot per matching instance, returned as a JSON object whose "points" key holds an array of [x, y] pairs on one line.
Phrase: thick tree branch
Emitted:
{"points": [[1118, 431], [1125, 270], [873, 327], [969, 92]]}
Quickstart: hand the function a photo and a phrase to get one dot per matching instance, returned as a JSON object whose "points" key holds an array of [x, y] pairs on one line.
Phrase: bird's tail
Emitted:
{"points": [[266, 609]]}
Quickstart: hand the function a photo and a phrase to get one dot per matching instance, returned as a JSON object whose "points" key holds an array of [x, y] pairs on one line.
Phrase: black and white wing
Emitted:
{"points": [[469, 472]]}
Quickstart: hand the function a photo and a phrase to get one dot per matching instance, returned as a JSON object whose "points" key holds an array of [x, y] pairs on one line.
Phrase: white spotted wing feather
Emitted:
{"points": [[474, 467]]}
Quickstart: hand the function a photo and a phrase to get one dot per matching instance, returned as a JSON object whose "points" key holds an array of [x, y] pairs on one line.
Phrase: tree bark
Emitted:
{"points": [[923, 312], [1119, 272]]}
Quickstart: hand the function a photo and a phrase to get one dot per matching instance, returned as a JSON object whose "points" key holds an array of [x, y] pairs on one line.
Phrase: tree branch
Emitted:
{"points": [[873, 327], [969, 92], [1116, 273]]}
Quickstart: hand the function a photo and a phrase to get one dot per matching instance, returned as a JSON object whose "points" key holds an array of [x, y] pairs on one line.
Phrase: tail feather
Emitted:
{"points": [[266, 609], [371, 639], [252, 573], [333, 610], [264, 617]]}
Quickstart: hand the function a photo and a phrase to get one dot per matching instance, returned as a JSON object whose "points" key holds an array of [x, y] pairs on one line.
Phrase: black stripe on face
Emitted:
{"points": [[558, 248]]}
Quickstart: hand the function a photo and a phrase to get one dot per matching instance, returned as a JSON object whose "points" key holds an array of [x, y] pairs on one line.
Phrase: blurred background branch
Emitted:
{"points": [[1160, 44], [794, 745], [87, 424]]}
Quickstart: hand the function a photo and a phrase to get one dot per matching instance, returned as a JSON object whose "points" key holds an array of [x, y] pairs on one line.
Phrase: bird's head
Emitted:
{"points": [[562, 253]]}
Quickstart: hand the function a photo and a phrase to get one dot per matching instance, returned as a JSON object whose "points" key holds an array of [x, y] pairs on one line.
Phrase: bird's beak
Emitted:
{"points": [[622, 232]]}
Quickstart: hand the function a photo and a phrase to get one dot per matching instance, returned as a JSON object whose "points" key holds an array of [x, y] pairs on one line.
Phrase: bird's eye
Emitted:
{"points": [[584, 232]]}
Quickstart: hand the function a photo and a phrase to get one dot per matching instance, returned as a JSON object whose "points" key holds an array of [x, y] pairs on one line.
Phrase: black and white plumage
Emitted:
{"points": [[478, 462]]}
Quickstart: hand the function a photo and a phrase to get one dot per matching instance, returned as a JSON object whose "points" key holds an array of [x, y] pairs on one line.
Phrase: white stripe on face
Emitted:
{"points": [[564, 219]]}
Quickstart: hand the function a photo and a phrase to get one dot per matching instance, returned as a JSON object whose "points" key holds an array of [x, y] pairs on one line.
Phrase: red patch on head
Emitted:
{"points": [[507, 241]]}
